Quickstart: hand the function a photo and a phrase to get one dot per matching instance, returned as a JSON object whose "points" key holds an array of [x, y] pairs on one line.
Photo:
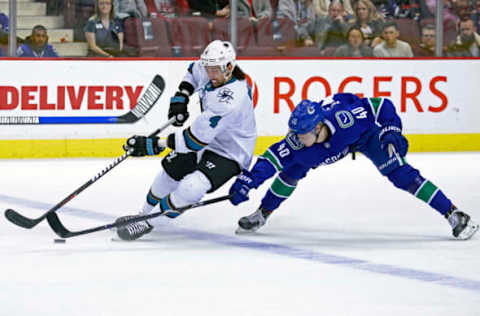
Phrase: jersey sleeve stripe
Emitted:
{"points": [[281, 189], [191, 141], [268, 155], [426, 191]]}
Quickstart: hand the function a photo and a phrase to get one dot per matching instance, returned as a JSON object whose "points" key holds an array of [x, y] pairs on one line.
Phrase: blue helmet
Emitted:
{"points": [[305, 117]]}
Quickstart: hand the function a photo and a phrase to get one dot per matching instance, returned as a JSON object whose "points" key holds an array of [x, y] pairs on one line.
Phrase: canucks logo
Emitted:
{"points": [[225, 95], [214, 121], [293, 141], [344, 119]]}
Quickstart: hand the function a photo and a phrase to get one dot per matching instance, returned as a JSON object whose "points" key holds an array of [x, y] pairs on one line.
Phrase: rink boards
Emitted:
{"points": [[436, 99]]}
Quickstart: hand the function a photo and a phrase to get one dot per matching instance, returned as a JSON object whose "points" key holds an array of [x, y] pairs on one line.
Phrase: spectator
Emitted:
{"points": [[326, 31], [3, 29], [211, 8], [356, 46], [321, 8], [463, 9], [468, 39], [424, 10], [448, 14], [427, 44], [299, 11], [84, 9], [347, 9], [182, 7], [392, 46], [104, 33], [36, 45], [366, 17], [403, 9], [1, 52], [254, 9], [3, 22], [129, 8], [476, 15], [165, 8]]}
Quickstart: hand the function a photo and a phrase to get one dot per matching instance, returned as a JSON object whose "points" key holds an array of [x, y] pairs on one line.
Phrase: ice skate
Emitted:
{"points": [[132, 231], [251, 223], [462, 226]]}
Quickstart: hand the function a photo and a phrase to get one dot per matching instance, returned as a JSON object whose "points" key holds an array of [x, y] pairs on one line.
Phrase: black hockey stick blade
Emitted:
{"points": [[20, 220], [63, 232], [26, 222]]}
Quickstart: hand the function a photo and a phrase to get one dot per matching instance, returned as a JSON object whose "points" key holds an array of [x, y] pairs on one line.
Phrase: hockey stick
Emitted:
{"points": [[25, 222], [145, 104], [63, 232]]}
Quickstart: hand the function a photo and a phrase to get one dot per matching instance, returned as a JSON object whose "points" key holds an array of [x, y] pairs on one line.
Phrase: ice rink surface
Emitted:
{"points": [[346, 243]]}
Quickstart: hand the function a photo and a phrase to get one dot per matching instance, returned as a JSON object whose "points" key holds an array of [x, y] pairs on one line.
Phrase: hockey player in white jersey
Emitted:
{"points": [[213, 149]]}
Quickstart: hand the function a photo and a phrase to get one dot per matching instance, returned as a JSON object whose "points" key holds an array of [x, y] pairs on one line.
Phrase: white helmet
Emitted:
{"points": [[219, 53]]}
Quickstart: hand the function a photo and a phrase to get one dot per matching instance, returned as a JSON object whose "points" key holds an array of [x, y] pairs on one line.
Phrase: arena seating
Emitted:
{"points": [[273, 38], [409, 31], [189, 35], [156, 47], [245, 31]]}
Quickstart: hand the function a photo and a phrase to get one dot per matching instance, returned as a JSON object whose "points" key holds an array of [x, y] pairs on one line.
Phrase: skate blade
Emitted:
{"points": [[242, 231], [469, 231]]}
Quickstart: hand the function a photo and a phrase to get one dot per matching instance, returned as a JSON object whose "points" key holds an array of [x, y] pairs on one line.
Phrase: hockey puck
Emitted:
{"points": [[59, 241]]}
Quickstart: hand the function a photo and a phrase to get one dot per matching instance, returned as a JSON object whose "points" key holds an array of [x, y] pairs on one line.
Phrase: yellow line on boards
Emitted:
{"points": [[64, 148]]}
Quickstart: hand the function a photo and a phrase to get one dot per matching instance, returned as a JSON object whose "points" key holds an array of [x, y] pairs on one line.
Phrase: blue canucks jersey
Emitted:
{"points": [[353, 123]]}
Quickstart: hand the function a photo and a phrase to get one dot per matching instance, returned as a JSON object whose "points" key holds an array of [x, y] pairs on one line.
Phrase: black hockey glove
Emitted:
{"points": [[391, 138], [143, 146], [241, 187], [178, 108]]}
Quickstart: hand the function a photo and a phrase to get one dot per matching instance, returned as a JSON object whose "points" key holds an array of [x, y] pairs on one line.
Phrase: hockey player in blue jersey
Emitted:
{"points": [[325, 132]]}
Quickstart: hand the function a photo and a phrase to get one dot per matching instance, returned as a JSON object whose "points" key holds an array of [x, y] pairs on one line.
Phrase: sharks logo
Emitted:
{"points": [[225, 95]]}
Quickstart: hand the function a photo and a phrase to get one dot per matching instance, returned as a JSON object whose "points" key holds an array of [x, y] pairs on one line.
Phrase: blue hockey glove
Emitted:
{"points": [[143, 146], [241, 187], [391, 139], [178, 108]]}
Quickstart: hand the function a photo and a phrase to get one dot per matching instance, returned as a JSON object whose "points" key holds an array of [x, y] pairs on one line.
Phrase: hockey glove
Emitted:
{"points": [[143, 146], [178, 108], [391, 139], [241, 187]]}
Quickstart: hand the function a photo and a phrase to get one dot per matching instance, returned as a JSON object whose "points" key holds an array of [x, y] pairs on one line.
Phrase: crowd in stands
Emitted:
{"points": [[341, 28]]}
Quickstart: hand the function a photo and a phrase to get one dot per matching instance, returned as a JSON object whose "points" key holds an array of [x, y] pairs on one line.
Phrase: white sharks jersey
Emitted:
{"points": [[226, 125]]}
